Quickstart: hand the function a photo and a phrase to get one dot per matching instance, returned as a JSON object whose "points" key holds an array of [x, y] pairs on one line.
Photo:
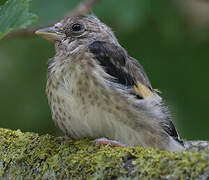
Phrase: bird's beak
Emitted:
{"points": [[50, 33]]}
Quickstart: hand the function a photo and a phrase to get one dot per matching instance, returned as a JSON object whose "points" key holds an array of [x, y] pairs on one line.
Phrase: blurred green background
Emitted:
{"points": [[173, 49]]}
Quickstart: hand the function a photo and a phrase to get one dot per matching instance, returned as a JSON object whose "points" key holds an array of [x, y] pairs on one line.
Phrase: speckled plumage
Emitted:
{"points": [[96, 90]]}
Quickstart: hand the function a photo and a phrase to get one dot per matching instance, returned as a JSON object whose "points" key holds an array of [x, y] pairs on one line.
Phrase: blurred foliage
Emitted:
{"points": [[14, 15], [174, 57]]}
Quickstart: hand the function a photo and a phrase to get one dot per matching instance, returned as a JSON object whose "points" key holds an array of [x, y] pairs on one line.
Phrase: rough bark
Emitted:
{"points": [[31, 156]]}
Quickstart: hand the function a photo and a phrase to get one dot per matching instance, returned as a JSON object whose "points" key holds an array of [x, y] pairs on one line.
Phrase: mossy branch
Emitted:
{"points": [[30, 156]]}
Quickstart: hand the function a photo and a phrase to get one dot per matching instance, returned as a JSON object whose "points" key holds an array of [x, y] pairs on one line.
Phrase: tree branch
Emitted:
{"points": [[83, 8], [31, 156]]}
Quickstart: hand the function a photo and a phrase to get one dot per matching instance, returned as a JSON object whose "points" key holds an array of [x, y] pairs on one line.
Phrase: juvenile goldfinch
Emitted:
{"points": [[95, 89]]}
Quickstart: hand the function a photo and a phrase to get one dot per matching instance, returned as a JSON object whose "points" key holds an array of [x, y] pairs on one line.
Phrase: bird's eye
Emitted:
{"points": [[77, 27], [74, 30]]}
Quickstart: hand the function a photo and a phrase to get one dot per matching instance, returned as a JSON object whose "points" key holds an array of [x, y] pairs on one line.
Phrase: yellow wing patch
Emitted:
{"points": [[143, 91]]}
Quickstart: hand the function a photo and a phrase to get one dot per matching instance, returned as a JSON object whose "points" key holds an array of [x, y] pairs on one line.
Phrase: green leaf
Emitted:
{"points": [[14, 14]]}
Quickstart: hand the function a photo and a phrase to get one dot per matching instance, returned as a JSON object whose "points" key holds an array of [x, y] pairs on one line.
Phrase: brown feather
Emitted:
{"points": [[142, 87]]}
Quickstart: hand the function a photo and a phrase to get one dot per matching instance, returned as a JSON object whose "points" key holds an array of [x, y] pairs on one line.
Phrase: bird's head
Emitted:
{"points": [[72, 32]]}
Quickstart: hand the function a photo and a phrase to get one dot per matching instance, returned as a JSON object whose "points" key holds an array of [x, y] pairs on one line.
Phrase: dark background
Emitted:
{"points": [[167, 37]]}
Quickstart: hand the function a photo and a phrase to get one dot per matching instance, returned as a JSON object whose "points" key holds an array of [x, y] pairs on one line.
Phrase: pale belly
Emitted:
{"points": [[94, 118]]}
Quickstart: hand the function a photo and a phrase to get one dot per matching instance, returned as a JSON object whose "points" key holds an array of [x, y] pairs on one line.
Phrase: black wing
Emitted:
{"points": [[126, 70], [113, 59]]}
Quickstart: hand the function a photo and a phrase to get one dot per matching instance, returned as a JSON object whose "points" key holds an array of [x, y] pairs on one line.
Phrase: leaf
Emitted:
{"points": [[14, 14]]}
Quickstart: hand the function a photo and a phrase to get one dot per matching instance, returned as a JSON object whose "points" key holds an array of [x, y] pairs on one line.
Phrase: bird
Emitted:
{"points": [[95, 89]]}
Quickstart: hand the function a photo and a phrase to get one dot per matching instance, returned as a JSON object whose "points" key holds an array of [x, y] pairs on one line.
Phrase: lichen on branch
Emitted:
{"points": [[28, 155]]}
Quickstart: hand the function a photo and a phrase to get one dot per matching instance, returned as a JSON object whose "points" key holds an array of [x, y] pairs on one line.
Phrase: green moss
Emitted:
{"points": [[28, 155]]}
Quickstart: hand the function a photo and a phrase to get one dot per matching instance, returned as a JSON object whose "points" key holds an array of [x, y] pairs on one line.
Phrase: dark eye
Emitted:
{"points": [[77, 27], [74, 30]]}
